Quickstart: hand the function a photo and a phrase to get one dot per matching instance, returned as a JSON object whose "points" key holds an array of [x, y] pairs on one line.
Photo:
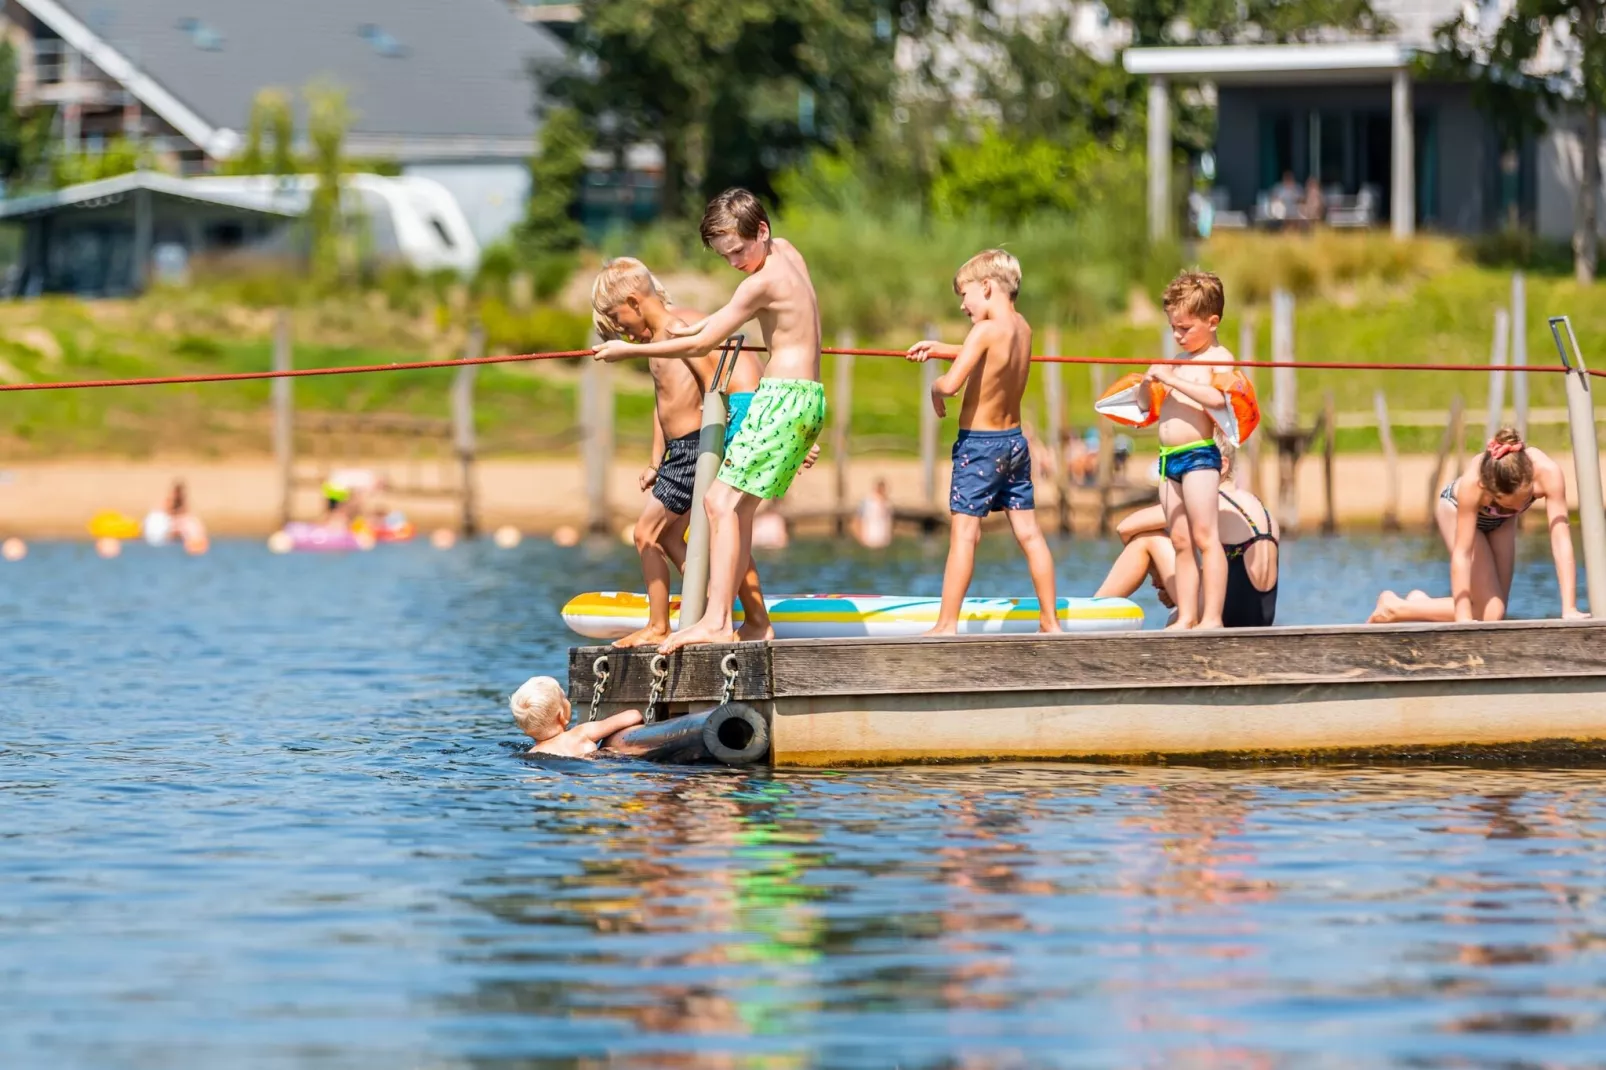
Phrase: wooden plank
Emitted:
{"points": [[1351, 721], [1329, 449], [842, 427], [968, 665], [694, 674], [463, 441], [1519, 351], [1251, 449]]}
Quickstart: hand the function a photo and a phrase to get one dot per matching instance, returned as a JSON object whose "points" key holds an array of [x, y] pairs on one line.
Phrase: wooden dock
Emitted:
{"points": [[1340, 692]]}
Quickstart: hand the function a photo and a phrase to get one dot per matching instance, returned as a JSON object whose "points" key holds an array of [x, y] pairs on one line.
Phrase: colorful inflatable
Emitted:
{"points": [[611, 614], [314, 538], [1135, 403], [113, 525]]}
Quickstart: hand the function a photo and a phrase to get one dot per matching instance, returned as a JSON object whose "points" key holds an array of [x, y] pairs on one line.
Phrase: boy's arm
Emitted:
{"points": [[1203, 393], [658, 447], [1549, 482], [923, 351], [748, 300], [969, 356], [597, 731]]}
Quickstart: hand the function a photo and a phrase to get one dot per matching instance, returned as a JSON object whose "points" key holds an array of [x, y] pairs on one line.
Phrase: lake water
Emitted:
{"points": [[265, 812]]}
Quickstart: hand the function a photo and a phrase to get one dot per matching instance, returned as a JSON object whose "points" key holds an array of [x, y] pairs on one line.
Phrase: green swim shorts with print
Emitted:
{"points": [[781, 425]]}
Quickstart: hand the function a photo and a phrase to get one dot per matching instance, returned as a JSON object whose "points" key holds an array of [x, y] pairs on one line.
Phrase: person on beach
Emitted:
{"points": [[542, 710], [628, 302], [1249, 539], [992, 462], [1189, 457], [1475, 513], [788, 409]]}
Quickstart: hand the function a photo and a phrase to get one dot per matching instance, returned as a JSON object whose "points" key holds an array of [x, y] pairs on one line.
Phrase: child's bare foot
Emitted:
{"points": [[1049, 627], [1179, 626], [698, 634], [651, 635], [755, 631], [1387, 608], [1209, 625], [942, 629]]}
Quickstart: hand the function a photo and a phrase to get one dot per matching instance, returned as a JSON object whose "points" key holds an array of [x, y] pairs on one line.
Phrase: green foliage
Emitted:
{"points": [[23, 138], [328, 119], [544, 329], [1211, 22], [119, 157], [269, 139], [550, 234]]}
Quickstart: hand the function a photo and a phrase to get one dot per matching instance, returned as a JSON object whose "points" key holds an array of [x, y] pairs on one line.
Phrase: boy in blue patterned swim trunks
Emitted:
{"points": [[992, 463]]}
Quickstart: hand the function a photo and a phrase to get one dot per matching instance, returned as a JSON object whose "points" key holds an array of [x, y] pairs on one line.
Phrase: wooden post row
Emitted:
{"points": [[1519, 351], [1329, 447], [284, 429], [1285, 403], [596, 423], [1497, 371], [928, 429], [1391, 464], [1251, 449], [1053, 398], [841, 426], [463, 439]]}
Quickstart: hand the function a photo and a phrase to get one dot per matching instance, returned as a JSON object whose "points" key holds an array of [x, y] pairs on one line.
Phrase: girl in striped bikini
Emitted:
{"points": [[1475, 513]]}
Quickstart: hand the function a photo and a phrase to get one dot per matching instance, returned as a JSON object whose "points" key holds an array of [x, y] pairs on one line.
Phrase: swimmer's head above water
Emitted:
{"points": [[541, 708]]}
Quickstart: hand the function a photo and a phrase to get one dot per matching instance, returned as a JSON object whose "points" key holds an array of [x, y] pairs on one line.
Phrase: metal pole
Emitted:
{"points": [[1519, 351], [463, 427], [710, 454], [841, 428], [1159, 159], [928, 430], [1586, 464], [1497, 371]]}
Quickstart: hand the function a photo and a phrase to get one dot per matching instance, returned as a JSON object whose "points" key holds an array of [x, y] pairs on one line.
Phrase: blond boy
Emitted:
{"points": [[542, 710], [992, 462], [788, 410], [628, 302], [1189, 456]]}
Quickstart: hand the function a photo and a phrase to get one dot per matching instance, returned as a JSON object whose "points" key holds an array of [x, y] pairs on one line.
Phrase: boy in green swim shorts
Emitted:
{"points": [[788, 409]]}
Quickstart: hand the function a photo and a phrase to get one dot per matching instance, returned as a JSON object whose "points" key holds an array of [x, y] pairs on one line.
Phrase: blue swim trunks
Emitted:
{"points": [[1178, 461], [992, 471], [736, 406]]}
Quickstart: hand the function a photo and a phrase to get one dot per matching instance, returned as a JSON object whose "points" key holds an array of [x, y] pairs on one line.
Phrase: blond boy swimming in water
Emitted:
{"points": [[628, 302], [788, 410], [542, 711]]}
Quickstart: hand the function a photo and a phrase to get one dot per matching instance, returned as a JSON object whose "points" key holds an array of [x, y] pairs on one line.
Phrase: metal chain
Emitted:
{"points": [[727, 665], [660, 673], [599, 669]]}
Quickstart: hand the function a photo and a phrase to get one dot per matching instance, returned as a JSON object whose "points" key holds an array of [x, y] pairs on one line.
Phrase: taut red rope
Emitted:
{"points": [[514, 358]]}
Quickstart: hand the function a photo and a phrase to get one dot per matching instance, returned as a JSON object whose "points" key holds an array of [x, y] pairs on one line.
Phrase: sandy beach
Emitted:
{"points": [[240, 496]]}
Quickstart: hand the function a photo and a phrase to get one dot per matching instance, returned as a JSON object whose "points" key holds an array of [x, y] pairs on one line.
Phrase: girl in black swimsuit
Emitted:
{"points": [[1247, 606]]}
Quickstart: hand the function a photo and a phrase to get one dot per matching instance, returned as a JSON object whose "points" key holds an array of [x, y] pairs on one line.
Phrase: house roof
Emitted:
{"points": [[110, 190], [1226, 64], [425, 78]]}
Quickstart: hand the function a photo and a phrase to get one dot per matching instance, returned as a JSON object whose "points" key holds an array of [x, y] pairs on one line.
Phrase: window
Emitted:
{"points": [[441, 231]]}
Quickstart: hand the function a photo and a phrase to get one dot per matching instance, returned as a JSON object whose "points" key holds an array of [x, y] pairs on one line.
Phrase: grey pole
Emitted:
{"points": [[1586, 465], [710, 452]]}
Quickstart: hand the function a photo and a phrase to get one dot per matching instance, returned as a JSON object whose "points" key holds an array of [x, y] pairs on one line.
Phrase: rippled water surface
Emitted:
{"points": [[265, 811]]}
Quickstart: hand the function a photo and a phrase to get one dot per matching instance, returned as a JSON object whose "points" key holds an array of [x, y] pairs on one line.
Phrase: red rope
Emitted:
{"points": [[421, 365]]}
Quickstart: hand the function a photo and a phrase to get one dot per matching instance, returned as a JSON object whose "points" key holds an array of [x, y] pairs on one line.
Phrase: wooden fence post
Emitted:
{"points": [[1497, 371], [596, 422], [1391, 464], [463, 440], [284, 424], [928, 429], [1053, 398], [1451, 446], [1329, 447], [841, 427], [1285, 403], [1106, 468], [1519, 351], [1251, 449]]}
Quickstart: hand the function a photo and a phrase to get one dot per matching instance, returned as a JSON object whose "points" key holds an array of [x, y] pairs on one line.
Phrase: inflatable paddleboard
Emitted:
{"points": [[316, 537], [612, 614]]}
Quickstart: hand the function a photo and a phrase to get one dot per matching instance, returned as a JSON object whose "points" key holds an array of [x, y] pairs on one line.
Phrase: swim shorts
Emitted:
{"points": [[677, 473], [784, 419], [1178, 461], [992, 471], [736, 406]]}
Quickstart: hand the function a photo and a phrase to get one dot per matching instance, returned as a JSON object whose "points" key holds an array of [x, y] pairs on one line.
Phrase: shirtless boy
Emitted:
{"points": [[992, 463], [1188, 455], [628, 302], [788, 410], [542, 711]]}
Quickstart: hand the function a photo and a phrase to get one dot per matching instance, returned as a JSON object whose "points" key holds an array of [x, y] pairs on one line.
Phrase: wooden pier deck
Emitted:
{"points": [[1299, 692]]}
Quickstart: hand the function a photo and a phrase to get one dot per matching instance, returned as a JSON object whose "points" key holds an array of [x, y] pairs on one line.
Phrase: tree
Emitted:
{"points": [[550, 232], [1517, 95], [733, 93], [1217, 22], [23, 138], [328, 119], [269, 139]]}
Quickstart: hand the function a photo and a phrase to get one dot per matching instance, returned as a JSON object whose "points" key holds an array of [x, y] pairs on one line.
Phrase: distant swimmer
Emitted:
{"points": [[1475, 513], [542, 711]]}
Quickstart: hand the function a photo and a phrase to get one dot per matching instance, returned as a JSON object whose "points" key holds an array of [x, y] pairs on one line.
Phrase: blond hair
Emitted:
{"points": [[538, 707], [621, 277], [1198, 293], [736, 211], [993, 265]]}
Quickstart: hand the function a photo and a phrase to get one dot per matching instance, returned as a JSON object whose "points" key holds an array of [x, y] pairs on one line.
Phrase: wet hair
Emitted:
{"points": [[736, 211], [1505, 466], [538, 707], [993, 265], [1229, 454], [620, 278], [1198, 293]]}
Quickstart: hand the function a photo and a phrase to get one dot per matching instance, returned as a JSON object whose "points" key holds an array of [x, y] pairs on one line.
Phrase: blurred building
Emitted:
{"points": [[443, 88]]}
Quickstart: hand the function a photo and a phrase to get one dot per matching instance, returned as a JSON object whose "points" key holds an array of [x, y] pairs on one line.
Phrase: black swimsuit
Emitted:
{"points": [[1247, 606]]}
